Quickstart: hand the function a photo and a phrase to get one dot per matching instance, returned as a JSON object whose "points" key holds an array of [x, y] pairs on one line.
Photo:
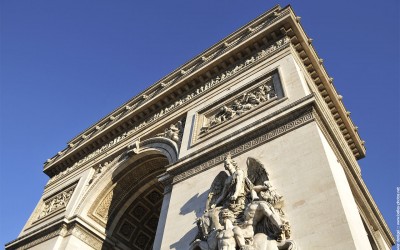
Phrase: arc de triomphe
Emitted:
{"points": [[246, 146]]}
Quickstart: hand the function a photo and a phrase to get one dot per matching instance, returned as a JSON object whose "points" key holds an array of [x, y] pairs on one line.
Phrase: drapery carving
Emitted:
{"points": [[243, 211]]}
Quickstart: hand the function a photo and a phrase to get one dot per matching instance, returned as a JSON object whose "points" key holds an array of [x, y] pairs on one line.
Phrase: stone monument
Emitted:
{"points": [[247, 146]]}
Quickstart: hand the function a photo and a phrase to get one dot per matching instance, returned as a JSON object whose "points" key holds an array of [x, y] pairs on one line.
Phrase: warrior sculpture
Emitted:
{"points": [[243, 211]]}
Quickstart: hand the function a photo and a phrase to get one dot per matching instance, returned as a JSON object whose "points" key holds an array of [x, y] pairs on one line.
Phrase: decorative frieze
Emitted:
{"points": [[261, 136], [217, 80], [40, 240], [101, 150], [86, 237], [227, 74], [256, 94], [56, 202], [87, 158], [103, 167]]}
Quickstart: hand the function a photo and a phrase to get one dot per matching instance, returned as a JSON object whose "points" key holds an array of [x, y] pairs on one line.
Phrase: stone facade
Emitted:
{"points": [[245, 146]]}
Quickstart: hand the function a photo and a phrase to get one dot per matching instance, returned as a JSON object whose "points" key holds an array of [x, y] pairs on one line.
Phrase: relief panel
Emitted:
{"points": [[57, 202], [262, 93]]}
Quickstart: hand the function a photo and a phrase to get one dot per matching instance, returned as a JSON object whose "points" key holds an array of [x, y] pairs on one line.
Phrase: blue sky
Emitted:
{"points": [[66, 64]]}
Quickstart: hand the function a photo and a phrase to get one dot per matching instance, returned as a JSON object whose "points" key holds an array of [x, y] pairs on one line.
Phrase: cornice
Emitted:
{"points": [[63, 229], [324, 83], [230, 52], [36, 237], [153, 103], [200, 60]]}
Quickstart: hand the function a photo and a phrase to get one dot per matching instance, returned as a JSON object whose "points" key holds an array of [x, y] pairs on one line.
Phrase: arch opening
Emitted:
{"points": [[133, 203]]}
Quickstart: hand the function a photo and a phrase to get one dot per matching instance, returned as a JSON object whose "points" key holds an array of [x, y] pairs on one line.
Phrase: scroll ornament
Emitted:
{"points": [[243, 211]]}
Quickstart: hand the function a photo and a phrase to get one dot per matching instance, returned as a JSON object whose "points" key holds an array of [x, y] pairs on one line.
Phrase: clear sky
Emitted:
{"points": [[67, 64]]}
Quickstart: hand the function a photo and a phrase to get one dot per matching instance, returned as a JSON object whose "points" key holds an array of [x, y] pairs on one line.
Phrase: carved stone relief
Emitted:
{"points": [[174, 131], [209, 56], [86, 237], [103, 167], [278, 45], [57, 202], [223, 76], [261, 92], [246, 62], [243, 211], [87, 158], [259, 137]]}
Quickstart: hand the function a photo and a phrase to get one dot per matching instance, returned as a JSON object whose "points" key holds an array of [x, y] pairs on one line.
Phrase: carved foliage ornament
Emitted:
{"points": [[243, 211]]}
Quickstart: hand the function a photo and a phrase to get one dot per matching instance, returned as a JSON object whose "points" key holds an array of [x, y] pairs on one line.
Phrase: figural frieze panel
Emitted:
{"points": [[222, 77], [56, 202], [87, 158], [262, 92], [173, 132]]}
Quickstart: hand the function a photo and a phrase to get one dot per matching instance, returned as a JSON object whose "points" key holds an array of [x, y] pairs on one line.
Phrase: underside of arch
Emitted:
{"points": [[136, 226], [128, 207], [165, 146]]}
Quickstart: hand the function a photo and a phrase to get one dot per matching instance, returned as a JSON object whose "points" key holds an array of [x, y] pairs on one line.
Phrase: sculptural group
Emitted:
{"points": [[243, 211]]}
